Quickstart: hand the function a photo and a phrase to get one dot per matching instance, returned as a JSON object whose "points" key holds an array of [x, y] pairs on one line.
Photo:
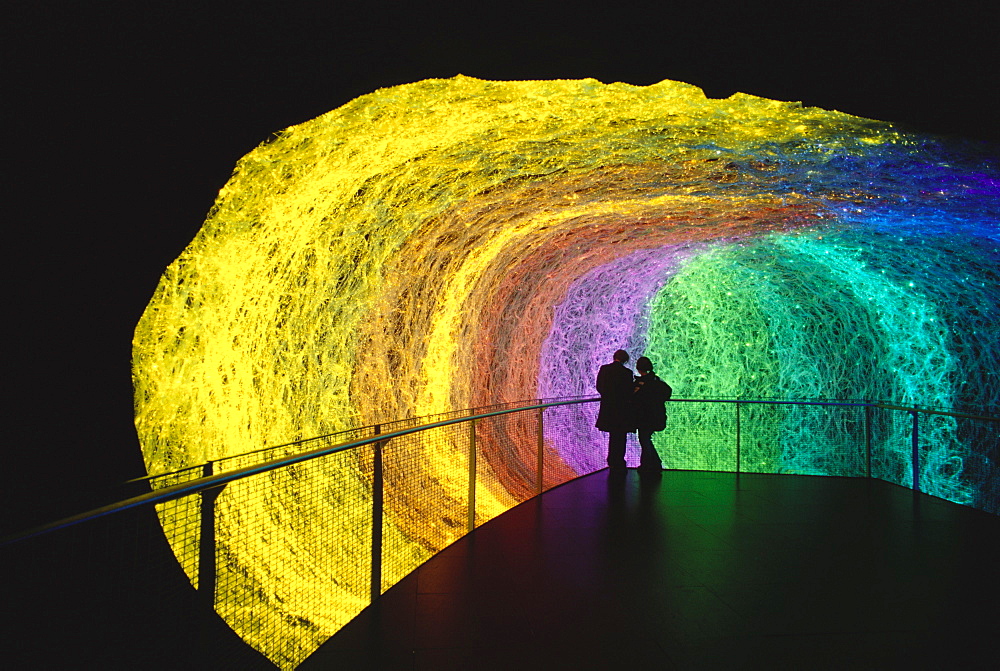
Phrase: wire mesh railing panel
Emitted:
{"points": [[980, 466], [814, 440], [293, 554], [957, 458], [759, 437], [570, 432], [940, 456], [181, 521], [506, 465], [891, 440], [699, 436], [510, 448], [426, 499]]}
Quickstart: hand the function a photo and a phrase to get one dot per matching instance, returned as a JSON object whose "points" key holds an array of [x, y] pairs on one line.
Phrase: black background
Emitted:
{"points": [[123, 120]]}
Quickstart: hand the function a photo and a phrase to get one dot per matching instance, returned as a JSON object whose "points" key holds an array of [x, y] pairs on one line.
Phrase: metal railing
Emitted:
{"points": [[288, 543]]}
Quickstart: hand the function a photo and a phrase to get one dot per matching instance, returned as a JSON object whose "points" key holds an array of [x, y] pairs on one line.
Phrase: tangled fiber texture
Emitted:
{"points": [[457, 243]]}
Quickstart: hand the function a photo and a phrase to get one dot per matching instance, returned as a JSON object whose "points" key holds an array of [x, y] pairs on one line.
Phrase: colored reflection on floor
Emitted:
{"points": [[697, 570]]}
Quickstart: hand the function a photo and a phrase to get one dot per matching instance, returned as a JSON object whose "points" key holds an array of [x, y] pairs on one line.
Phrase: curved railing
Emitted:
{"points": [[288, 543]]}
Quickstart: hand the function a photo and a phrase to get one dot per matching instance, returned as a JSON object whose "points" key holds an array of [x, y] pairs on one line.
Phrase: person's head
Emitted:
{"points": [[644, 365], [621, 355]]}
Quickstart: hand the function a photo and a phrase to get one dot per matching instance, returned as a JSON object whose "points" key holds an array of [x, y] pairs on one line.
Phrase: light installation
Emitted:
{"points": [[456, 243]]}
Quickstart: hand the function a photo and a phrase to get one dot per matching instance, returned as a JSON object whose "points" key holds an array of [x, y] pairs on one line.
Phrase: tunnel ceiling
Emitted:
{"points": [[457, 243]]}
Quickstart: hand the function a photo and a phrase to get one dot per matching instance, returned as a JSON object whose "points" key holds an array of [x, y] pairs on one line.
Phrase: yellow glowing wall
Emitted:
{"points": [[406, 254]]}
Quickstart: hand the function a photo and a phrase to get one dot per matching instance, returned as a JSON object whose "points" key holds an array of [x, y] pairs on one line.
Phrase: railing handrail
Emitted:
{"points": [[948, 413], [214, 481], [870, 404], [584, 399], [205, 483], [562, 400]]}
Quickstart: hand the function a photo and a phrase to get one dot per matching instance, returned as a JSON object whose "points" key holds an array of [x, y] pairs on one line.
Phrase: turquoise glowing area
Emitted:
{"points": [[892, 306]]}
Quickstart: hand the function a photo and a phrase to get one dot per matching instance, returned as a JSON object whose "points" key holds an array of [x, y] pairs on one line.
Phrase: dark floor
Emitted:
{"points": [[698, 570]]}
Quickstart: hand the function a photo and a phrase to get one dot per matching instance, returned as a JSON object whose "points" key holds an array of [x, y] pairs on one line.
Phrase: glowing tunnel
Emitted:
{"points": [[458, 243]]}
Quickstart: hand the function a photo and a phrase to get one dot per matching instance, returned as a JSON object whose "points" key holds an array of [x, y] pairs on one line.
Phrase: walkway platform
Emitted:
{"points": [[695, 570]]}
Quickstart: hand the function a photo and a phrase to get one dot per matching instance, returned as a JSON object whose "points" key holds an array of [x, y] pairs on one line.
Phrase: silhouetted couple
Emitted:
{"points": [[631, 403]]}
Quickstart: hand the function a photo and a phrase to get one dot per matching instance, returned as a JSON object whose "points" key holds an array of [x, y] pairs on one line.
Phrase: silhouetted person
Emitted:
{"points": [[614, 384], [649, 398]]}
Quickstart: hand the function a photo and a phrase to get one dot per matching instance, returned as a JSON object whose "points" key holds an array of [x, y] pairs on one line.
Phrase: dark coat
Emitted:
{"points": [[614, 384], [651, 393]]}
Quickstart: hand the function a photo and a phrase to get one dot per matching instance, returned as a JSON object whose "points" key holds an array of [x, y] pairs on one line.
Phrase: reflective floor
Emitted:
{"points": [[698, 570]]}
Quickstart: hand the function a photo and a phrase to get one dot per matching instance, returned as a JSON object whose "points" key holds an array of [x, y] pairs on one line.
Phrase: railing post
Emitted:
{"points": [[472, 475], [539, 469], [737, 436], [868, 441], [915, 458], [206, 543], [377, 498]]}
